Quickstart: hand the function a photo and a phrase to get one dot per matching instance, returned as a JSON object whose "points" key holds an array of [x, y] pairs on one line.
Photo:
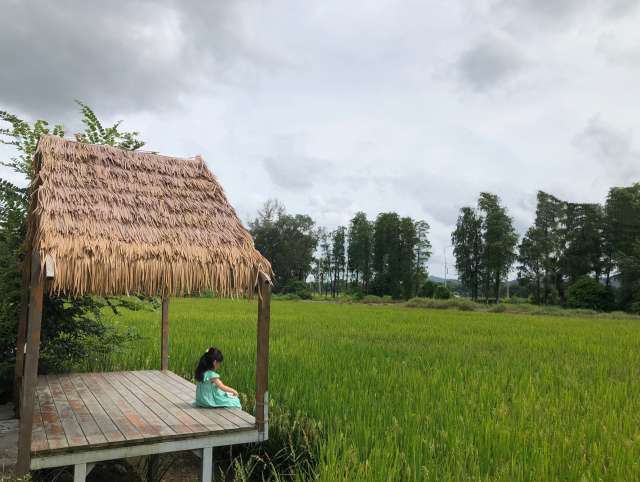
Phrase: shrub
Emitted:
{"points": [[515, 300], [427, 289], [442, 293], [466, 305], [297, 287], [499, 308], [588, 293], [372, 299], [290, 297]]}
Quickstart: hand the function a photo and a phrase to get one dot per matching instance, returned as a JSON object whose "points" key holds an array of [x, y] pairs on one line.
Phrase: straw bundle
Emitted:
{"points": [[119, 222]]}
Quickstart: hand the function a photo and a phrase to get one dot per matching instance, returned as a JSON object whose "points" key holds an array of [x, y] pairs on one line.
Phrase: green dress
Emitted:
{"points": [[209, 395]]}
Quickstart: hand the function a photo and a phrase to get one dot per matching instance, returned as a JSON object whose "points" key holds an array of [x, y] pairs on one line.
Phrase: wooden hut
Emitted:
{"points": [[107, 221]]}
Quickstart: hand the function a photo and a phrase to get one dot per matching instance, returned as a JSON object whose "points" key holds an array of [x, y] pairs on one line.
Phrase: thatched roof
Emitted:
{"points": [[117, 221]]}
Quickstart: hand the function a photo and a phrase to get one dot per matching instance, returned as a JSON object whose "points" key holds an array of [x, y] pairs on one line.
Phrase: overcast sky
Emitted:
{"points": [[334, 107]]}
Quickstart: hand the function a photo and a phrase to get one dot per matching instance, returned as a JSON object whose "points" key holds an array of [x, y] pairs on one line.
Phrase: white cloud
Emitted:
{"points": [[333, 108]]}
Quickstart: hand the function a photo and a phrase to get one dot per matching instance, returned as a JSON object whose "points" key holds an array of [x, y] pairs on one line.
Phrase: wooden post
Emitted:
{"points": [[164, 343], [80, 473], [30, 366], [21, 337], [206, 475], [262, 359]]}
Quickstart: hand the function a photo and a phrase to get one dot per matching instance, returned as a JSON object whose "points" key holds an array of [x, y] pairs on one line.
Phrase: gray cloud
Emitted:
{"points": [[611, 147], [335, 107], [118, 56], [291, 174], [489, 63]]}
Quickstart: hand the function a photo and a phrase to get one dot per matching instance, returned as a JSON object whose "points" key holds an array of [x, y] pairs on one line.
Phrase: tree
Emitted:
{"points": [[589, 293], [549, 213], [386, 250], [622, 230], [287, 241], [530, 269], [74, 331], [338, 258], [360, 237], [422, 253], [499, 241], [582, 241], [408, 239], [468, 247]]}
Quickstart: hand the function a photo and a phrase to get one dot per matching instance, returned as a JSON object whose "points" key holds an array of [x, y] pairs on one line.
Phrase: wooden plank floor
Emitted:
{"points": [[81, 411]]}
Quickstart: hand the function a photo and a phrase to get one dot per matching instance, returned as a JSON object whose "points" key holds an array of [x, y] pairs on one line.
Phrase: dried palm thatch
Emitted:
{"points": [[117, 222]]}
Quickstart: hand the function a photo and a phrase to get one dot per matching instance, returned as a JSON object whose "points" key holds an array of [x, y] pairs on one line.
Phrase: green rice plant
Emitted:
{"points": [[398, 393]]}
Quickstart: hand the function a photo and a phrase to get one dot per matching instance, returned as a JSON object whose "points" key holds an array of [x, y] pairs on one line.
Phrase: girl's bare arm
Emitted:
{"points": [[223, 387]]}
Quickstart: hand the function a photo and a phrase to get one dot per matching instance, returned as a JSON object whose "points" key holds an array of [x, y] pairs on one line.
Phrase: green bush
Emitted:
{"points": [[299, 288], [588, 293], [427, 289], [372, 299], [466, 305], [442, 293], [515, 300]]}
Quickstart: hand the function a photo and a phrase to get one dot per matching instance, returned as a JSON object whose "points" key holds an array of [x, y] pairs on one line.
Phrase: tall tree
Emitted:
{"points": [[359, 249], [338, 240], [499, 240], [422, 253], [582, 233], [288, 241], [386, 253], [530, 259], [468, 247], [622, 226], [549, 215], [408, 239]]}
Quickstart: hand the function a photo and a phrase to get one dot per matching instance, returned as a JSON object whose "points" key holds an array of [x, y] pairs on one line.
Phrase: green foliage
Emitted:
{"points": [[499, 239], [427, 289], [73, 331], [359, 250], [287, 241], [442, 293], [622, 230], [400, 251], [95, 133], [483, 245], [372, 299], [569, 241], [338, 259], [467, 248], [297, 288], [588, 293]]}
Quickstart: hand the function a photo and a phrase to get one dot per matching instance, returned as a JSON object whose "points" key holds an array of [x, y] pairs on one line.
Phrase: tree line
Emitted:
{"points": [[574, 254], [384, 256]]}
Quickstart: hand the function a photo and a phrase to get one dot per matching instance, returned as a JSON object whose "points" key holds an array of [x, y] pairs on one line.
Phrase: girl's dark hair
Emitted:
{"points": [[206, 362]]}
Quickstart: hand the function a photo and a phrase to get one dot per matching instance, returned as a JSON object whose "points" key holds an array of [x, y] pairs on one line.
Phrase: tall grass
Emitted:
{"points": [[406, 394]]}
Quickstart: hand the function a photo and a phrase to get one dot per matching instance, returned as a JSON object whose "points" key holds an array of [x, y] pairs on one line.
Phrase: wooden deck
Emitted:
{"points": [[83, 412]]}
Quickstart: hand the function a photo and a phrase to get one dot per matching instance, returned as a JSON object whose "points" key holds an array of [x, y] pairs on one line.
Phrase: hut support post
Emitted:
{"points": [[164, 343], [262, 362], [29, 381], [21, 337]]}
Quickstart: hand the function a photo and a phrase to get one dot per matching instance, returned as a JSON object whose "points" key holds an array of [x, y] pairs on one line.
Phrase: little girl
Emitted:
{"points": [[210, 391]]}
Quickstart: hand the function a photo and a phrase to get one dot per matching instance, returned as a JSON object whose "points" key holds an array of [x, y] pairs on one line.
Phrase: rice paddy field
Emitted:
{"points": [[416, 394]]}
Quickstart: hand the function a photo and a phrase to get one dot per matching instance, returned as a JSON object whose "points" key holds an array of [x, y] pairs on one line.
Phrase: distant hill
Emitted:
{"points": [[439, 280]]}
